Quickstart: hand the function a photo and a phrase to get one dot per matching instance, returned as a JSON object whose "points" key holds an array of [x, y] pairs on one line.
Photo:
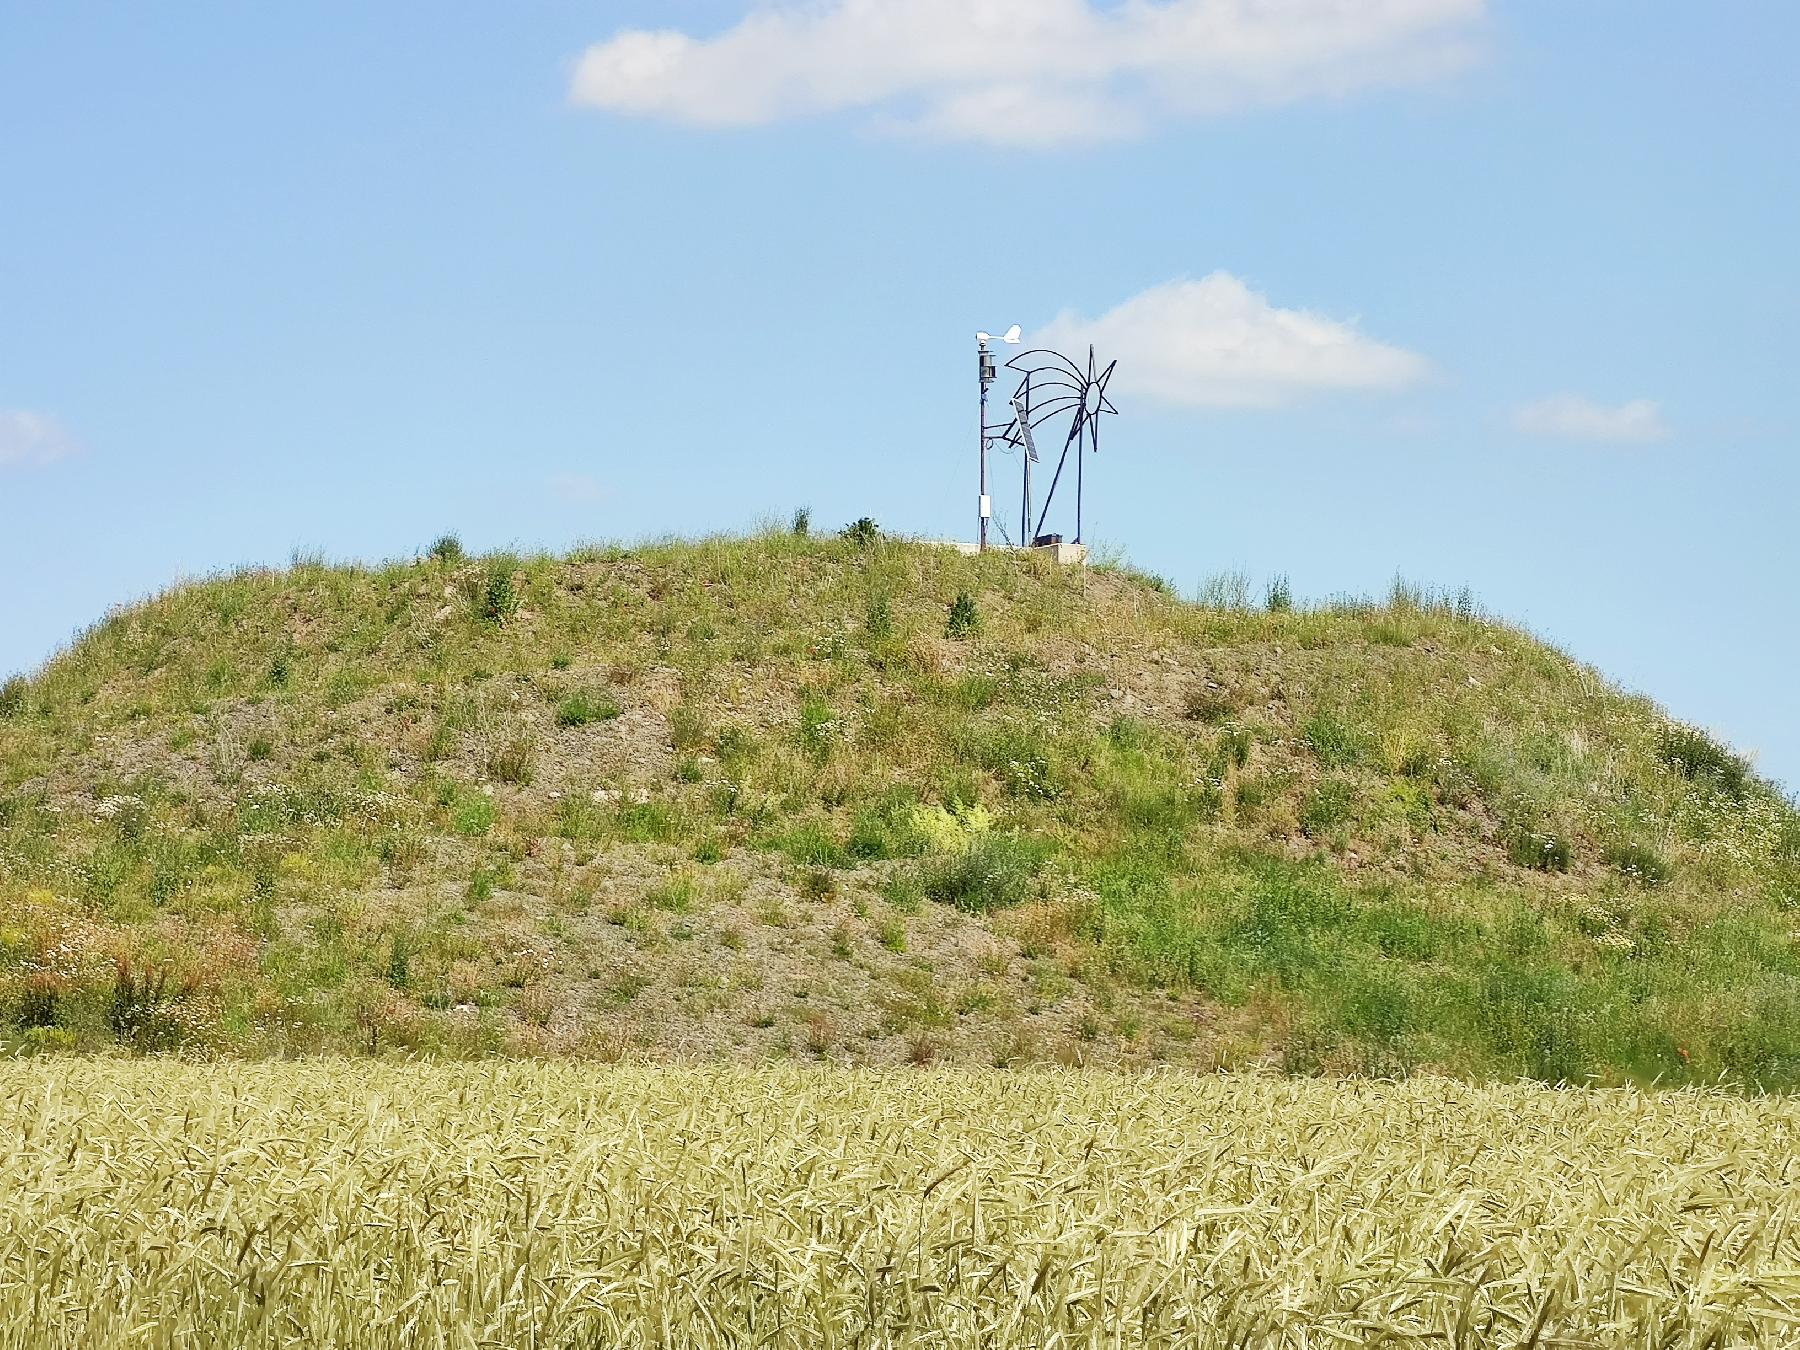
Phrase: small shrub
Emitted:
{"points": [[1541, 850], [994, 872], [843, 941], [1280, 598], [399, 971], [140, 1012], [687, 727], [863, 532], [499, 595], [1234, 747], [1337, 745], [473, 816], [885, 829], [260, 748], [878, 622], [811, 845], [1326, 808], [1639, 862], [1021, 759], [446, 548], [818, 884], [280, 670], [819, 727], [964, 619], [1206, 703], [1700, 759], [582, 707], [514, 762], [676, 895], [1227, 590], [12, 697], [802, 523]]}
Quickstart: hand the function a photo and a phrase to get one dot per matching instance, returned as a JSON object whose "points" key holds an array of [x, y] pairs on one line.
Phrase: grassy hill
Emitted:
{"points": [[860, 799]]}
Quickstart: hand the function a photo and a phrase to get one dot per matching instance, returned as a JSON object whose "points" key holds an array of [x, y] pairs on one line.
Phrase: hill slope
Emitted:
{"points": [[752, 797]]}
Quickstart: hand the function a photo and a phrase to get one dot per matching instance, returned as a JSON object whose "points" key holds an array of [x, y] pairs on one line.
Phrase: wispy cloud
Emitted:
{"points": [[33, 438], [1571, 417], [1027, 72], [1216, 343]]}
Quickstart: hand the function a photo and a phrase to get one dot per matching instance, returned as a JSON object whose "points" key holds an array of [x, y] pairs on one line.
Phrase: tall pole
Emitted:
{"points": [[1079, 456], [985, 373], [1025, 506]]}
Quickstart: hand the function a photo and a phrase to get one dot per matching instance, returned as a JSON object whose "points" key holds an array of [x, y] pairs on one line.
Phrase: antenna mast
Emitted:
{"points": [[985, 374]]}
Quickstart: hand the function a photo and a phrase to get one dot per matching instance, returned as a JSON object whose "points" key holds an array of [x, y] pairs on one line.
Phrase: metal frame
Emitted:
{"points": [[1072, 391]]}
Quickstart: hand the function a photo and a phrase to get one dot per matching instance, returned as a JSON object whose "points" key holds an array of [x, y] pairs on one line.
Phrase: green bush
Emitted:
{"points": [[1700, 759], [446, 548], [964, 619], [400, 952], [1021, 759], [581, 707], [472, 815], [886, 829], [1234, 748], [141, 1012], [994, 872], [878, 621], [820, 727], [862, 532], [499, 595], [1787, 843], [1326, 807], [811, 845], [1204, 703], [1280, 596], [1542, 850], [512, 762], [687, 727], [801, 525], [1336, 744], [1639, 862], [12, 696]]}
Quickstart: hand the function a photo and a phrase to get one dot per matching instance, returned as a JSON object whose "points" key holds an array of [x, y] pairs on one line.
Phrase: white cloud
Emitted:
{"points": [[33, 438], [1215, 343], [1570, 417], [1026, 72]]}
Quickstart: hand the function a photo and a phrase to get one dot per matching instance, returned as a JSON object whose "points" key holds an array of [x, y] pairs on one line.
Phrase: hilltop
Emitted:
{"points": [[863, 799]]}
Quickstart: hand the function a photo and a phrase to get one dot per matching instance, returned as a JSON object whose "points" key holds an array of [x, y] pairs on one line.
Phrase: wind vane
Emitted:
{"points": [[1051, 386]]}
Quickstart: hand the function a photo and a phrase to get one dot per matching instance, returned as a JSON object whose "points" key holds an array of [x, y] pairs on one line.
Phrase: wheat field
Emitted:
{"points": [[337, 1203]]}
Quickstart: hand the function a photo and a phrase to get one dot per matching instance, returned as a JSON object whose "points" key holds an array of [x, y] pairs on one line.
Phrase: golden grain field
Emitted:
{"points": [[356, 1204]]}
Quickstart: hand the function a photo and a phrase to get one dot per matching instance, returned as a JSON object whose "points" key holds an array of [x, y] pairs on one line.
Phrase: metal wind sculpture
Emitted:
{"points": [[1051, 386]]}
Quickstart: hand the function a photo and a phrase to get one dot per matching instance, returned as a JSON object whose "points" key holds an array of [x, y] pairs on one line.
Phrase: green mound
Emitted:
{"points": [[870, 800]]}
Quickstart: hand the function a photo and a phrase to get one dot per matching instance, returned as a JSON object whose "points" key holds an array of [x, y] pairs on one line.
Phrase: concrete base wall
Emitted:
{"points": [[1069, 555]]}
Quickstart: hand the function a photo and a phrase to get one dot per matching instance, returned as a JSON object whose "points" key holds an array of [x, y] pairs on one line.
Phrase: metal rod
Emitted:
{"points": [[1095, 432], [981, 502], [1025, 509], [1061, 460]]}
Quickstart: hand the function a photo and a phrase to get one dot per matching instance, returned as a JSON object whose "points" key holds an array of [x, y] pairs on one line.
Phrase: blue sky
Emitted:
{"points": [[1502, 295]]}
